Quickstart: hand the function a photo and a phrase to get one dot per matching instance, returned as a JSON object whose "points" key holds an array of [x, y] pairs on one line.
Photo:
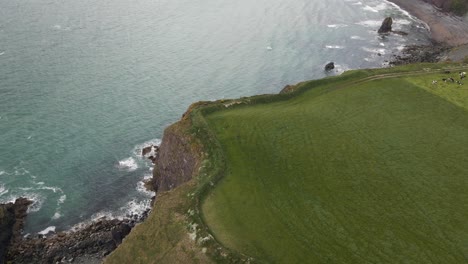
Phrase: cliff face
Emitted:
{"points": [[12, 216], [443, 4], [177, 160], [458, 7]]}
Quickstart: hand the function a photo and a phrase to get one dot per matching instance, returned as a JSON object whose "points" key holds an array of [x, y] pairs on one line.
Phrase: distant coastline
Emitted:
{"points": [[445, 28]]}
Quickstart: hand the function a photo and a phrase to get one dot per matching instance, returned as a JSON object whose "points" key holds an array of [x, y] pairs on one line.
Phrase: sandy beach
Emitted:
{"points": [[445, 28]]}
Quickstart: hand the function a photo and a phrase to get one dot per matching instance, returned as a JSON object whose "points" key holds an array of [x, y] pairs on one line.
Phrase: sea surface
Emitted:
{"points": [[84, 85]]}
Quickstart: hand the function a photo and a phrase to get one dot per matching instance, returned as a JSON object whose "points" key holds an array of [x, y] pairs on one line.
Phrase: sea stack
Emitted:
{"points": [[386, 25]]}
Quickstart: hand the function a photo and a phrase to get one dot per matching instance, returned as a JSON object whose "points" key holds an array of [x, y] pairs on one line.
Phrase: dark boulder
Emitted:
{"points": [[330, 66], [386, 26]]}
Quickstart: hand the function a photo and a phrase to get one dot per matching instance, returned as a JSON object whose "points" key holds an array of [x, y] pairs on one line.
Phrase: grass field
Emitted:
{"points": [[352, 171]]}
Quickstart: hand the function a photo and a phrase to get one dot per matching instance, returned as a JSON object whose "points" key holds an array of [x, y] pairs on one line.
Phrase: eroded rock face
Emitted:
{"points": [[176, 161], [386, 26], [12, 217]]}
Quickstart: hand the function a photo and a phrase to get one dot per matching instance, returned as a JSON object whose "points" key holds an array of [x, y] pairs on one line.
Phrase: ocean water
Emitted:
{"points": [[84, 85]]}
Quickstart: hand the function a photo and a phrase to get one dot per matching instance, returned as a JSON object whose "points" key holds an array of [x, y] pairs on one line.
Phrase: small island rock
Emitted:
{"points": [[330, 66]]}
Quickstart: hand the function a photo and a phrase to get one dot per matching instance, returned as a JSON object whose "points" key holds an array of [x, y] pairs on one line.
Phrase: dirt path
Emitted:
{"points": [[445, 28], [398, 74]]}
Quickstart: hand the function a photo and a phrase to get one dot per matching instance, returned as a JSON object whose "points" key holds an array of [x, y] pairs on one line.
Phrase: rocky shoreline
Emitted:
{"points": [[87, 245], [420, 53]]}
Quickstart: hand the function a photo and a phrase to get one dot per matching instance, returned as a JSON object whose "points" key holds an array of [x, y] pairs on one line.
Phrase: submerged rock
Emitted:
{"points": [[386, 26]]}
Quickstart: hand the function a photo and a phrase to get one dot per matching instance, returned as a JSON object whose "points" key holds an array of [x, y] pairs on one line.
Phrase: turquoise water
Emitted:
{"points": [[84, 84]]}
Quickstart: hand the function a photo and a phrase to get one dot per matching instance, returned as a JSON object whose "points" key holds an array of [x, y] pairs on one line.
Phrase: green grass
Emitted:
{"points": [[346, 172]]}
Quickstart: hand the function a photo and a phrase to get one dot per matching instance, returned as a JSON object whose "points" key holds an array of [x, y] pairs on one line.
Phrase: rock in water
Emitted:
{"points": [[330, 66], [386, 25], [146, 150]]}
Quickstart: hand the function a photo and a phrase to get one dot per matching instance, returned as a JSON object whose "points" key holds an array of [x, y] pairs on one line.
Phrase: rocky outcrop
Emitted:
{"points": [[287, 89], [176, 161], [386, 26], [146, 150], [92, 242], [12, 217], [420, 53]]}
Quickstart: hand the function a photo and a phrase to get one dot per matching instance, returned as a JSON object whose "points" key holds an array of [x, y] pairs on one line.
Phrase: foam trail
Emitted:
{"points": [[56, 216], [334, 47], [128, 164], [62, 199], [337, 25], [368, 8], [3, 190], [47, 230]]}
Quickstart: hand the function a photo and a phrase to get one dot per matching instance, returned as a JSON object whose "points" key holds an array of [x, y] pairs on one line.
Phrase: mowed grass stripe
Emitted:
{"points": [[374, 173]]}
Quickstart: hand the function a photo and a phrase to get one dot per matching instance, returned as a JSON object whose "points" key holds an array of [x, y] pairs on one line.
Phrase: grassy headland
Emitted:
{"points": [[369, 166]]}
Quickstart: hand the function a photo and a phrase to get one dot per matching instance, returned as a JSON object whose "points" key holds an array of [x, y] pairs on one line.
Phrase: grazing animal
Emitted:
{"points": [[451, 79], [434, 82], [444, 80], [462, 75], [459, 83]]}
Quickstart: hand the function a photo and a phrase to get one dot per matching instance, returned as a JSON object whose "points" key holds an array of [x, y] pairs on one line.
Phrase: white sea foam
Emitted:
{"points": [[56, 216], [142, 188], [358, 38], [136, 207], [54, 189], [3, 190], [37, 199], [357, 3], [40, 183], [47, 230], [20, 171], [128, 164], [2, 172], [1, 53], [334, 47], [337, 25], [374, 50], [62, 199], [371, 9], [370, 23]]}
